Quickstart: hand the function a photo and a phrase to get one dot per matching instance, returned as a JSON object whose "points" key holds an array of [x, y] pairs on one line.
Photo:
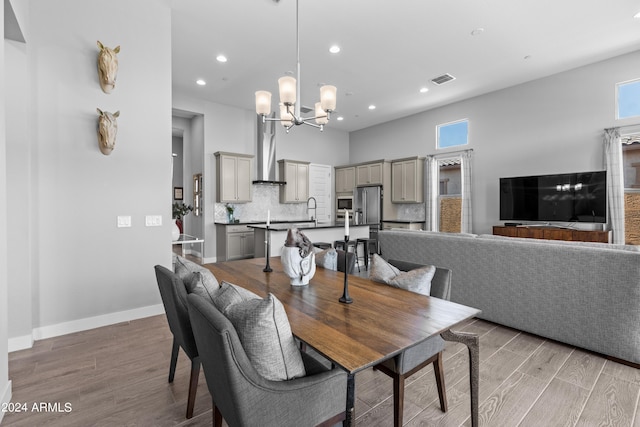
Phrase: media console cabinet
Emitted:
{"points": [[553, 233]]}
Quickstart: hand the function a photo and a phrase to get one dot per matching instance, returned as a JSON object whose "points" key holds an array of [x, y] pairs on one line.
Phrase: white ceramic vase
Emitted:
{"points": [[300, 270], [175, 231]]}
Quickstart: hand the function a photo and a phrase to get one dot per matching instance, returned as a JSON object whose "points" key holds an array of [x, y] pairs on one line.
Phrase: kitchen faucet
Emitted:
{"points": [[314, 207]]}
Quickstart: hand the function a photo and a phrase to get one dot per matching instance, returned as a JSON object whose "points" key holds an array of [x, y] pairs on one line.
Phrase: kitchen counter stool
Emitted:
{"points": [[339, 244], [366, 249]]}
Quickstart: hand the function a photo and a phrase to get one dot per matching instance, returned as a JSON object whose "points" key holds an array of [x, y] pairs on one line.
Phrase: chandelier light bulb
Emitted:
{"points": [[328, 97], [321, 116], [287, 86], [286, 118], [263, 102]]}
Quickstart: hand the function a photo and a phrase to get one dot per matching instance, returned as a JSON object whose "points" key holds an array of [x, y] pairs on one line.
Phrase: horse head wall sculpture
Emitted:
{"points": [[107, 67], [107, 130]]}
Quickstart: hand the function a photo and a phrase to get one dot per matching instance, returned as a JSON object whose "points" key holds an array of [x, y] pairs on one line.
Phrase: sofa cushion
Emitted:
{"points": [[264, 331], [230, 294], [417, 280], [203, 284], [327, 258]]}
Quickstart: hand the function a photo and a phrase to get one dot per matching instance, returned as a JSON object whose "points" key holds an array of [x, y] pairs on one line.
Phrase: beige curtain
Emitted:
{"points": [[615, 183]]}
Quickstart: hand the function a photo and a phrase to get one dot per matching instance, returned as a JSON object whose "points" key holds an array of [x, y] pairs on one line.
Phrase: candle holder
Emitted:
{"points": [[345, 298], [267, 268]]}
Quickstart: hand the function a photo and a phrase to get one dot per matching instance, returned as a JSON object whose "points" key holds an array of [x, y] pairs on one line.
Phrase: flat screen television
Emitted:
{"points": [[567, 197]]}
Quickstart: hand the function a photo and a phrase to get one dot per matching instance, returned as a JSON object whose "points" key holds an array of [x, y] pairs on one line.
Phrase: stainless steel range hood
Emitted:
{"points": [[266, 152]]}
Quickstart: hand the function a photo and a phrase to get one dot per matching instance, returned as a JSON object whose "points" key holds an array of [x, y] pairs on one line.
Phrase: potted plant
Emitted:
{"points": [[230, 209], [179, 211]]}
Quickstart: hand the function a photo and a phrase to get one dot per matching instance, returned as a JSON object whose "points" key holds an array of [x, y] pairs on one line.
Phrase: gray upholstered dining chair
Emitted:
{"points": [[420, 355], [174, 298], [245, 398]]}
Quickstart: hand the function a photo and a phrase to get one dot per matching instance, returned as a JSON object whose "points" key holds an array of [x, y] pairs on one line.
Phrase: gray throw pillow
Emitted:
{"points": [[264, 331], [417, 280], [230, 294], [203, 284], [327, 258]]}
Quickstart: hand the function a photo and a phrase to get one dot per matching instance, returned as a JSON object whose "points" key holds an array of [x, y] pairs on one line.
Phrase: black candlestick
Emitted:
{"points": [[345, 298], [267, 268]]}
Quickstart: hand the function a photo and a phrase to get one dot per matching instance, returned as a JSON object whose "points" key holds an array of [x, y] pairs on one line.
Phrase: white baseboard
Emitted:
{"points": [[96, 322], [20, 343], [209, 260], [6, 398]]}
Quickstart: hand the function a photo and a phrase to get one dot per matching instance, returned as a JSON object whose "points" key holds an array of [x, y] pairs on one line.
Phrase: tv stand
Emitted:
{"points": [[553, 233]]}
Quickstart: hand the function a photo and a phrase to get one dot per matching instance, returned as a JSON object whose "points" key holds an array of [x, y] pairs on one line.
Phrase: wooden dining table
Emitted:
{"points": [[380, 323]]}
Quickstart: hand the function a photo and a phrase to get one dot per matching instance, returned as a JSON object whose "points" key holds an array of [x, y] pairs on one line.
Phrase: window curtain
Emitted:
{"points": [[431, 186], [615, 183], [465, 171]]}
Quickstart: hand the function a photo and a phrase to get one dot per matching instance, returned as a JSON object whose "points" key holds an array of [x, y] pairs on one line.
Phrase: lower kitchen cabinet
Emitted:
{"points": [[405, 225], [234, 242]]}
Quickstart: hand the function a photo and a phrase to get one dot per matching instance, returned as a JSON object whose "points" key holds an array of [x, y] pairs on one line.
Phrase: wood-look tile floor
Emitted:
{"points": [[117, 376]]}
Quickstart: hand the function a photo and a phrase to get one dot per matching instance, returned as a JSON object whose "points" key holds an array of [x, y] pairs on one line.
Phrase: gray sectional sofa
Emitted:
{"points": [[583, 294]]}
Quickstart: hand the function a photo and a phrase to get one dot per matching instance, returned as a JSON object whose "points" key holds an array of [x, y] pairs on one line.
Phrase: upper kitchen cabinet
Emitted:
{"points": [[407, 176], [370, 174], [234, 177], [296, 176], [345, 179]]}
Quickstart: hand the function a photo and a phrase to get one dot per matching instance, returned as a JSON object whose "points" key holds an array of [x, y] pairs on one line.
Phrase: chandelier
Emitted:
{"points": [[289, 90]]}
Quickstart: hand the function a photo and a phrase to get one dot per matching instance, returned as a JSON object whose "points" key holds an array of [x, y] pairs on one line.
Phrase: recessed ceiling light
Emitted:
{"points": [[477, 31], [424, 90], [201, 82], [221, 58], [637, 15], [527, 57], [334, 49], [340, 118], [372, 107]]}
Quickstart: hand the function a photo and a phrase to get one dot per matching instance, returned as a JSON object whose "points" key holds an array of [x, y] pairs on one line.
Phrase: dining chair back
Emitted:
{"points": [[243, 397], [420, 355], [174, 299]]}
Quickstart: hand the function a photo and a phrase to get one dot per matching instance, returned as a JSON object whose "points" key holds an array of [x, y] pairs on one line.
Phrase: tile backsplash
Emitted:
{"points": [[265, 197]]}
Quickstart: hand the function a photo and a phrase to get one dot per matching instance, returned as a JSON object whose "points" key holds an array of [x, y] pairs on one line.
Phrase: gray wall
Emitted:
{"points": [[86, 271], [549, 125], [5, 385]]}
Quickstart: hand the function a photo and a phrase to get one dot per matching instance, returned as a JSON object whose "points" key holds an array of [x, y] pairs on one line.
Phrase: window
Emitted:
{"points": [[628, 97], [452, 134]]}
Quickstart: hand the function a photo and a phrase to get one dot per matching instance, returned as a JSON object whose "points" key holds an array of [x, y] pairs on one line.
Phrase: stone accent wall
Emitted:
{"points": [[450, 214], [632, 218]]}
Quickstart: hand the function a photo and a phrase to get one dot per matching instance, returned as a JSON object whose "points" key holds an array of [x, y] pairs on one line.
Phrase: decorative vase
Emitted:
{"points": [[175, 231], [300, 270], [230, 215]]}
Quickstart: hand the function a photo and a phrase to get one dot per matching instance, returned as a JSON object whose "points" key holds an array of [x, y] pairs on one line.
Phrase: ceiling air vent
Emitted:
{"points": [[443, 79]]}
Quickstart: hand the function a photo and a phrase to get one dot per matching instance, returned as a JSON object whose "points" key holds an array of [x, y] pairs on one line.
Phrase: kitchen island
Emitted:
{"points": [[329, 233]]}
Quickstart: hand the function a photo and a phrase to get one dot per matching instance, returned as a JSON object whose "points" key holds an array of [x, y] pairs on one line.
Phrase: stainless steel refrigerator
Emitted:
{"points": [[367, 205]]}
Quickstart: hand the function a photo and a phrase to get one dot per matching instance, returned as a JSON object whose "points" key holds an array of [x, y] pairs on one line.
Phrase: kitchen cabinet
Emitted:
{"points": [[370, 174], [234, 242], [296, 175], [345, 179], [407, 177], [234, 177]]}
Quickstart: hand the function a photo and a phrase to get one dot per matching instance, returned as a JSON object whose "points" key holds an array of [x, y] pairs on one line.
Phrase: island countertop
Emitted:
{"points": [[303, 226]]}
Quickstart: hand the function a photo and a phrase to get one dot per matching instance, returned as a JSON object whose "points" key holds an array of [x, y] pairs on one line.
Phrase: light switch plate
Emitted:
{"points": [[124, 221], [153, 220]]}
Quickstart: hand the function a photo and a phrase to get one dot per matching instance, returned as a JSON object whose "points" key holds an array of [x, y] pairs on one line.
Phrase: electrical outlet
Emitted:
{"points": [[124, 221], [153, 220]]}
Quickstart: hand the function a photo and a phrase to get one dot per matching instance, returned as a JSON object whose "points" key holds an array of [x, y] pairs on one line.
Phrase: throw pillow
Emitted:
{"points": [[230, 294], [417, 280], [184, 269], [327, 258], [381, 270], [196, 283], [264, 331]]}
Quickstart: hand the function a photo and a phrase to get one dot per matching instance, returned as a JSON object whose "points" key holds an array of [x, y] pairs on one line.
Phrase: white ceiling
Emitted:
{"points": [[390, 49]]}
